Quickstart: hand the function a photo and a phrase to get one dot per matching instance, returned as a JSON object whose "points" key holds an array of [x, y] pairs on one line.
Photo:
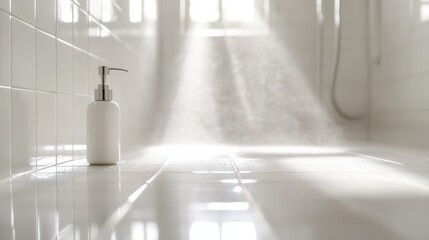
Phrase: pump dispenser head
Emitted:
{"points": [[103, 93]]}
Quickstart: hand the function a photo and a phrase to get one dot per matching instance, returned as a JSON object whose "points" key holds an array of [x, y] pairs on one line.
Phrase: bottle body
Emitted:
{"points": [[103, 133]]}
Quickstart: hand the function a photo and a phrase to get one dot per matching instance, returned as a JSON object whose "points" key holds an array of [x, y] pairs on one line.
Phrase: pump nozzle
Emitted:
{"points": [[103, 93]]}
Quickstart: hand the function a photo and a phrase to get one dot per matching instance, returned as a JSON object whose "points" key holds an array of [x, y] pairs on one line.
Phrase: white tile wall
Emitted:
{"points": [[64, 68], [23, 131], [23, 54], [79, 126], [399, 98], [5, 117], [46, 70], [5, 4], [80, 28], [24, 9], [5, 49], [64, 123], [50, 52], [65, 20], [46, 130], [80, 73], [46, 15]]}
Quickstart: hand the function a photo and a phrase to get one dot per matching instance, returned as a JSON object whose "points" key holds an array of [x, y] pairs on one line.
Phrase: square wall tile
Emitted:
{"points": [[23, 131], [79, 126], [6, 223], [23, 55], [80, 74], [64, 68], [24, 9], [24, 204], [5, 4], [5, 46], [46, 130], [65, 20], [46, 62], [5, 130], [64, 128], [46, 15], [81, 29]]}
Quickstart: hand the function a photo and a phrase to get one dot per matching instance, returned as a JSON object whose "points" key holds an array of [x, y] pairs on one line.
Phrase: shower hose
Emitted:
{"points": [[335, 68]]}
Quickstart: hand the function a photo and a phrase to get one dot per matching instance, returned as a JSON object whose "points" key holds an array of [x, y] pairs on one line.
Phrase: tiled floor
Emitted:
{"points": [[248, 194]]}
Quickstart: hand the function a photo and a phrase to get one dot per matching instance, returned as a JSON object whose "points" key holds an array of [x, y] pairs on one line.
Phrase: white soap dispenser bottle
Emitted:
{"points": [[104, 124]]}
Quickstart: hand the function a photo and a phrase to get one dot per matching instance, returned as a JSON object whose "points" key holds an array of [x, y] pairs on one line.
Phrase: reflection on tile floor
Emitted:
{"points": [[376, 194]]}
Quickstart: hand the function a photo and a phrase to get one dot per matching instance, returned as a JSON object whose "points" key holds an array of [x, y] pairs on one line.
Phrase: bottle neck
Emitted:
{"points": [[103, 93]]}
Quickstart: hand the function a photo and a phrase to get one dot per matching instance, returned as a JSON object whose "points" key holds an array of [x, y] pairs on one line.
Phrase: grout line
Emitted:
{"points": [[375, 158], [369, 76], [11, 100], [56, 91], [264, 227], [36, 87], [118, 215], [37, 116], [74, 204], [57, 210], [72, 89]]}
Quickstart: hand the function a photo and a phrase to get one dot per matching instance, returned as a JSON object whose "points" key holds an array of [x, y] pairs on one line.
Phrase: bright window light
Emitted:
{"points": [[151, 231], [107, 11], [238, 10], [135, 11], [204, 10], [220, 206], [66, 12], [227, 206], [137, 231], [150, 10], [424, 10], [204, 231], [238, 231]]}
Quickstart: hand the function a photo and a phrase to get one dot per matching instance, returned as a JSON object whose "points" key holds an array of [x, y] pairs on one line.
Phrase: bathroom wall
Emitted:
{"points": [[352, 89], [50, 51], [400, 73]]}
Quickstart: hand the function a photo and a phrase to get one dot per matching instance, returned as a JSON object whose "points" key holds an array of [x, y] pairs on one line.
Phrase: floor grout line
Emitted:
{"points": [[116, 217], [264, 228]]}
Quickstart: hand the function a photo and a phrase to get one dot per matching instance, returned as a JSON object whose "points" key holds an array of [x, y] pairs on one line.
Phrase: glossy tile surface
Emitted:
{"points": [[46, 15], [159, 194], [46, 130], [23, 131], [5, 45], [23, 55], [46, 63], [79, 126], [24, 9], [5, 132], [64, 68], [64, 119], [80, 73]]}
